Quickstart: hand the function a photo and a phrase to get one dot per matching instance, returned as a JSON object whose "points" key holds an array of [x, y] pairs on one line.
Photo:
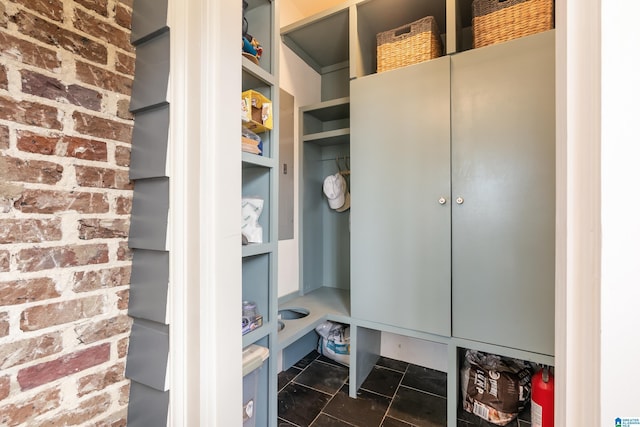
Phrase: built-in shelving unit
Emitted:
{"points": [[340, 44], [260, 180]]}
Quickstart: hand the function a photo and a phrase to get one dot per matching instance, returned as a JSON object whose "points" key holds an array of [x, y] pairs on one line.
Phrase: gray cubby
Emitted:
{"points": [[325, 234], [260, 179], [260, 15], [374, 17]]}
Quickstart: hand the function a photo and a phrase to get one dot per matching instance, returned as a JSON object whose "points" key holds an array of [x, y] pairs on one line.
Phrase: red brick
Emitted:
{"points": [[125, 64], [86, 149], [124, 394], [24, 412], [124, 252], [5, 387], [29, 290], [69, 364], [44, 202], [16, 353], [93, 331], [93, 228], [123, 16], [3, 16], [51, 88], [4, 137], [4, 324], [123, 299], [5, 261], [128, 3], [123, 205], [102, 128], [59, 313], [37, 259], [84, 281], [123, 347], [118, 419], [51, 9], [70, 146], [28, 53], [13, 169], [123, 155], [29, 230], [123, 109], [97, 76], [102, 30], [29, 113], [96, 382], [89, 176], [82, 413], [34, 143], [54, 35], [4, 81], [99, 6]]}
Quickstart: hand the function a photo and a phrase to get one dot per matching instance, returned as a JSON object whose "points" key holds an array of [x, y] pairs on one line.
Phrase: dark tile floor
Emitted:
{"points": [[315, 392]]}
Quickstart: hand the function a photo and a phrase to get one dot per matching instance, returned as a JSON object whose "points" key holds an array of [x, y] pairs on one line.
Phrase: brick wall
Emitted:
{"points": [[66, 70]]}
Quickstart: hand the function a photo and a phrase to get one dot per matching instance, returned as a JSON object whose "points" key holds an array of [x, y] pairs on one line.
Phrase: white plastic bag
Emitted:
{"points": [[251, 210], [335, 341]]}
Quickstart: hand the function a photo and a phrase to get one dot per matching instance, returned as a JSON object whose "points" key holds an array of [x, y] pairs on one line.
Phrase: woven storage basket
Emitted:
{"points": [[496, 21], [410, 44]]}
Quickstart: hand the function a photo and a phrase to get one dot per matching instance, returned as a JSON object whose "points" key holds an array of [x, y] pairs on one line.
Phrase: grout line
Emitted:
{"points": [[422, 391], [394, 394]]}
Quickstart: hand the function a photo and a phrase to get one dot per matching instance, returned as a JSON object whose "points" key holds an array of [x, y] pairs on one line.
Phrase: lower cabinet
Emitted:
{"points": [[453, 195], [400, 209]]}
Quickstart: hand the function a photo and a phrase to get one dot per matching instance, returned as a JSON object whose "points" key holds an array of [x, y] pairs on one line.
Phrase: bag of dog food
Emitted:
{"points": [[495, 388]]}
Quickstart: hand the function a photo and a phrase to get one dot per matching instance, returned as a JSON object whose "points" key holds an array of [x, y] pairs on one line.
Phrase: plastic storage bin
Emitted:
{"points": [[257, 111], [253, 358]]}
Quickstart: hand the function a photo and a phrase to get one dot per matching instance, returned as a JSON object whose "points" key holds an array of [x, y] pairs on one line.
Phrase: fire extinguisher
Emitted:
{"points": [[542, 398]]}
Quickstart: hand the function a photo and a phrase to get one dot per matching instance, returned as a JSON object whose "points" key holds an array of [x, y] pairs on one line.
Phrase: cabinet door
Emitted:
{"points": [[503, 168], [400, 233]]}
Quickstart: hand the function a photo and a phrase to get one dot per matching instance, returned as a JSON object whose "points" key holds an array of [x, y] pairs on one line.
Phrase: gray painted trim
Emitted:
{"points": [[147, 407], [148, 19], [149, 143], [149, 214], [148, 356], [149, 285], [151, 81]]}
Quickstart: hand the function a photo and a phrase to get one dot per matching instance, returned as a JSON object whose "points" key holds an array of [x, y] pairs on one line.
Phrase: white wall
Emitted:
{"points": [[620, 292], [301, 81]]}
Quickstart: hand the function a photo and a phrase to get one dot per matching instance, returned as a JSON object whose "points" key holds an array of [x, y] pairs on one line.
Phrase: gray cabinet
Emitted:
{"points": [[503, 157], [401, 219], [453, 196]]}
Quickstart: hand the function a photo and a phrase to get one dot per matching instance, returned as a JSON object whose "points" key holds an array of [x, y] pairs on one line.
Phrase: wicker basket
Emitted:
{"points": [[410, 44], [496, 21]]}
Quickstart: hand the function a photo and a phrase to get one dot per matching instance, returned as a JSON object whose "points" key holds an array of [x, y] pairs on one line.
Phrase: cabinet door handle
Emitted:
{"points": [[442, 200], [459, 200]]}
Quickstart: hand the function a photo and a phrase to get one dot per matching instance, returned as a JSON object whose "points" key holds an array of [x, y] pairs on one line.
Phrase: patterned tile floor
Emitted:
{"points": [[315, 393]]}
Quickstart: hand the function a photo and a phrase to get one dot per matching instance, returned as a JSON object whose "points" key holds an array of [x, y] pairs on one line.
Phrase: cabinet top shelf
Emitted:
{"points": [[321, 40]]}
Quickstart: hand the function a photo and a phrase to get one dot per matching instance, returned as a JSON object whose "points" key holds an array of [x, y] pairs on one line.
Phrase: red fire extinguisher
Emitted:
{"points": [[542, 398]]}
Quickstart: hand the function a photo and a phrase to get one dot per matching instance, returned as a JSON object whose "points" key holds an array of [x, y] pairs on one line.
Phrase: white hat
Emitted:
{"points": [[335, 188]]}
